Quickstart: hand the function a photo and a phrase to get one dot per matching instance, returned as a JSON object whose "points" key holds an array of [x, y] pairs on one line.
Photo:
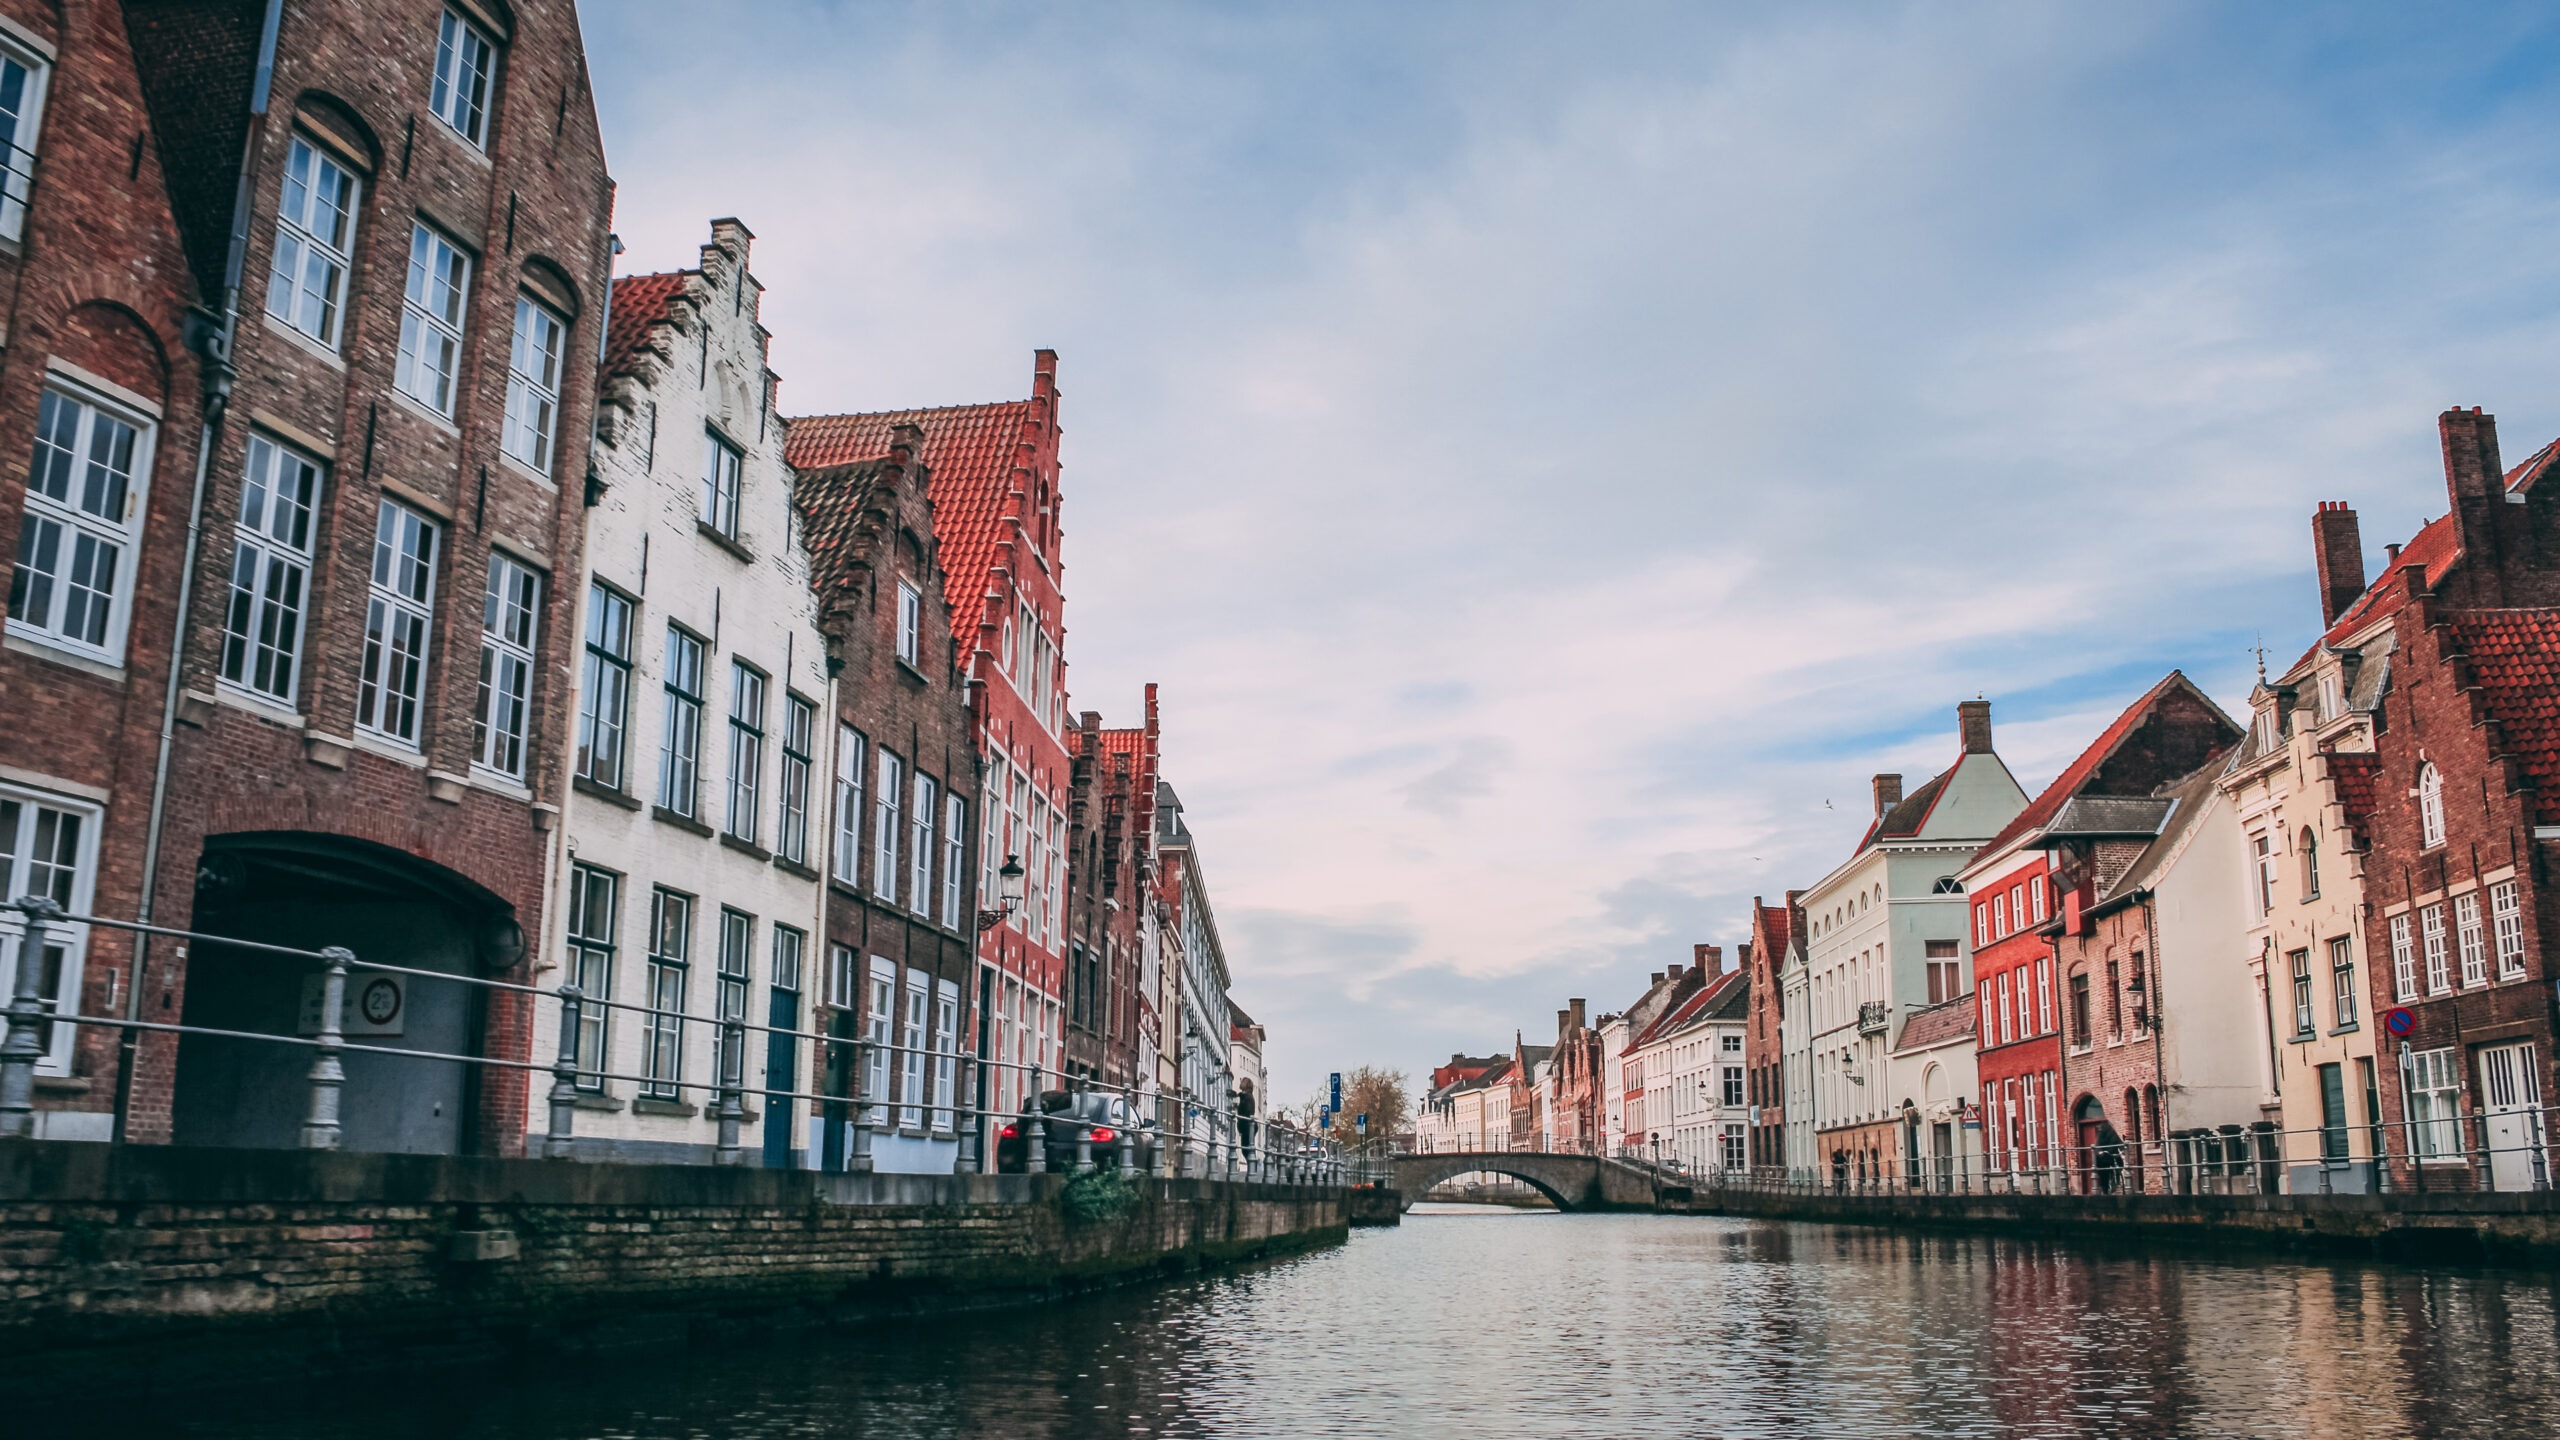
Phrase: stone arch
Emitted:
{"points": [[339, 125], [549, 281], [1417, 1186], [109, 338]]}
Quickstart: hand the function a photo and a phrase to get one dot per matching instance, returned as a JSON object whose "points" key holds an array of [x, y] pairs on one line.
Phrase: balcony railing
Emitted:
{"points": [[1873, 1016]]}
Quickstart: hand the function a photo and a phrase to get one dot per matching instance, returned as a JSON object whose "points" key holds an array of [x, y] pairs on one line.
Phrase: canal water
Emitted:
{"points": [[1492, 1323]]}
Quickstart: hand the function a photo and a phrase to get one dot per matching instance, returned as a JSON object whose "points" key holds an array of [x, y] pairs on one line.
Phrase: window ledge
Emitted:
{"points": [[644, 1105], [305, 343], [389, 750], [498, 784], [524, 471], [604, 792], [736, 547], [249, 703], [604, 1100], [686, 823], [794, 867], [43, 647], [745, 847], [2347, 1029], [426, 412], [912, 672]]}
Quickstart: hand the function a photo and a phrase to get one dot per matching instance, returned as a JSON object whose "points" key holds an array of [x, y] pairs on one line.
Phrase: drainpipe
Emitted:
{"points": [[211, 337]]}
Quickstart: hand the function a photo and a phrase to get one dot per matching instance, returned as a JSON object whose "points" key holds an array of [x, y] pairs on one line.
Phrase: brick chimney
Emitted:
{"points": [[1710, 958], [2476, 485], [1576, 1011], [1973, 726], [2337, 548], [1656, 979], [1888, 793], [1675, 972]]}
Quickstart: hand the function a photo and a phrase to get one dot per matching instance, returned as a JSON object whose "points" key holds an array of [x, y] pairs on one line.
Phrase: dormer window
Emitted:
{"points": [[2333, 699], [2431, 805], [2308, 845]]}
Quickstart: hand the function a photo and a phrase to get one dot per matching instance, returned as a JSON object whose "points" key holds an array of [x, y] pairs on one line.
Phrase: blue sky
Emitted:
{"points": [[1552, 456]]}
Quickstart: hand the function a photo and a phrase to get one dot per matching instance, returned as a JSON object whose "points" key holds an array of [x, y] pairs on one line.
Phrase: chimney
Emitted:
{"points": [[1973, 724], [2337, 548], [1710, 959], [1656, 980], [2476, 484], [1576, 1012], [1888, 793], [1562, 1018], [1675, 972]]}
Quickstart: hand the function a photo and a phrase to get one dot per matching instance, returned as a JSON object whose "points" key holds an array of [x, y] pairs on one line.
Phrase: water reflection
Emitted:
{"points": [[1499, 1323]]}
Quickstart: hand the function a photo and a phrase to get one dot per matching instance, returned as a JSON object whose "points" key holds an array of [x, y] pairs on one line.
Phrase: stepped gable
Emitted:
{"points": [[2355, 776], [641, 303]]}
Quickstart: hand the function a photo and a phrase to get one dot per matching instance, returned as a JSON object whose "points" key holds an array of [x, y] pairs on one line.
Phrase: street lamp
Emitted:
{"points": [[1008, 894]]}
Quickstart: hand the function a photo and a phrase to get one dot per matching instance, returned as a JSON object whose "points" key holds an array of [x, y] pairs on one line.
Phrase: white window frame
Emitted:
{"points": [[594, 925], [946, 1051], [307, 273], [464, 108], [887, 799], [399, 629], [510, 627], [680, 747], [744, 813], [18, 139], [732, 986], [2430, 806], [910, 624], [72, 521], [2431, 1083], [724, 468], [923, 815], [2471, 939], [435, 305], [914, 1039], [799, 739], [2432, 941], [879, 1014], [2506, 908], [534, 348], [851, 753], [2404, 959], [955, 855], [75, 892], [670, 967], [264, 622], [2343, 1001], [604, 696]]}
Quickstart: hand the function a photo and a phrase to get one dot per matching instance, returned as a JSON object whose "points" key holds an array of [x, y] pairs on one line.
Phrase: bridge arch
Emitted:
{"points": [[1427, 1179]]}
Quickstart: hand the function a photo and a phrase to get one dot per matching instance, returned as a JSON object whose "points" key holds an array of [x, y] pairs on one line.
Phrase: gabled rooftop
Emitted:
{"points": [[2515, 660]]}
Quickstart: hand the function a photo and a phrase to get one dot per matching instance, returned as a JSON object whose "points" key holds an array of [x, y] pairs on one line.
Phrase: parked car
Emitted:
{"points": [[1067, 1115]]}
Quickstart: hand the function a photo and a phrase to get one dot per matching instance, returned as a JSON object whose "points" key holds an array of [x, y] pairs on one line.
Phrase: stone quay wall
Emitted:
{"points": [[2519, 1228], [106, 1248]]}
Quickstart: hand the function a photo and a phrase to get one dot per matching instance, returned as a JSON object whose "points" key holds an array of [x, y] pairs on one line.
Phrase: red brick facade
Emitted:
{"points": [[1773, 928]]}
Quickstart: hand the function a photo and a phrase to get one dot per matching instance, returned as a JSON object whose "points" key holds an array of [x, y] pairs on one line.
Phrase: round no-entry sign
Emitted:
{"points": [[2399, 1022]]}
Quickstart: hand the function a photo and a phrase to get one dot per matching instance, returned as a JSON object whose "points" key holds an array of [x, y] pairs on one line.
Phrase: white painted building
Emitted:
{"points": [[694, 829]]}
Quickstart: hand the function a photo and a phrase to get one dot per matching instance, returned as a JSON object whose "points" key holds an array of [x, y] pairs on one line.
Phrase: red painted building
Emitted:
{"points": [[994, 484], [1773, 931]]}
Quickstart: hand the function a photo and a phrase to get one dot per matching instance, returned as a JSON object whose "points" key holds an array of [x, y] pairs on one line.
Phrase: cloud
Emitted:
{"points": [[1551, 460]]}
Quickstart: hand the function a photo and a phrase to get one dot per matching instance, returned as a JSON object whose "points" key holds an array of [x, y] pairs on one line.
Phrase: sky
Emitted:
{"points": [[1552, 456]]}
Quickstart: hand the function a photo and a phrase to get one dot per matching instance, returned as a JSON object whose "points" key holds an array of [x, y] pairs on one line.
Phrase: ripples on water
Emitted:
{"points": [[1498, 1324]]}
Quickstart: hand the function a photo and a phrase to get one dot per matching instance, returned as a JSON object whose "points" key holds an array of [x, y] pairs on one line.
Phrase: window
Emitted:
{"points": [[2044, 997], [2017, 908], [2035, 891], [2303, 1024], [2008, 1017], [506, 667], [746, 750], [1981, 923], [315, 243], [2439, 968], [1999, 915], [878, 1013], [270, 571], [737, 972], [594, 904], [83, 517], [2342, 981], [2434, 1084], [884, 832], [840, 975], [2431, 805], [955, 831], [2404, 961], [604, 702], [431, 308], [392, 681], [48, 849], [2309, 846], [670, 954], [2472, 939], [946, 1050], [1732, 1086], [2115, 1001], [22, 81], [911, 1059], [2262, 851], [2506, 910], [680, 751], [466, 61], [849, 754], [1988, 1015], [2079, 986], [910, 623], [721, 463], [533, 383], [799, 727], [927, 807], [1946, 972]]}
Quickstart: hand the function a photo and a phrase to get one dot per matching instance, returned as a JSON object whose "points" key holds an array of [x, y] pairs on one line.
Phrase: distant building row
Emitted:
{"points": [[2308, 950]]}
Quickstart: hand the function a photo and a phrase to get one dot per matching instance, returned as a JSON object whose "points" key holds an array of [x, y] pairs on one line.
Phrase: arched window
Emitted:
{"points": [[2309, 846], [2431, 805], [1947, 885]]}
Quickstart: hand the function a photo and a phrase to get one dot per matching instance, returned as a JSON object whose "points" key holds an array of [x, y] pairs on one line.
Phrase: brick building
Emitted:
{"points": [[371, 659], [2461, 912], [1763, 1053], [694, 827], [993, 473], [1574, 1074], [1111, 859]]}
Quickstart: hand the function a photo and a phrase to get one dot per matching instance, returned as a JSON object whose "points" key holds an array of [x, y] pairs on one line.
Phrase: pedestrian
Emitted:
{"points": [[1244, 1113]]}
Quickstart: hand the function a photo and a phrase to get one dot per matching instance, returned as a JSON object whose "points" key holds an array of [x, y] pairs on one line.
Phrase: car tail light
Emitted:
{"points": [[1009, 1133], [1104, 1135]]}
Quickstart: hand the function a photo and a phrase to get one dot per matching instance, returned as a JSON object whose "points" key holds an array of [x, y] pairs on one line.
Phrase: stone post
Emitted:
{"points": [[320, 1131], [1035, 1135], [564, 1078], [23, 1047], [1128, 1147], [858, 1156], [733, 1110]]}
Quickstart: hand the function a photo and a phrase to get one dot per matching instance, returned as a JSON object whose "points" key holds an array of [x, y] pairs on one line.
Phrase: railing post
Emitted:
{"points": [[564, 1078], [20, 1051], [858, 1154], [328, 1077], [733, 1110], [1035, 1136], [1128, 1148], [1084, 1147], [973, 1137]]}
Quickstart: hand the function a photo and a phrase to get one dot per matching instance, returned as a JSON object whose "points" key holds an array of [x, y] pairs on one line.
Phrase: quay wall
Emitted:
{"points": [[103, 1248], [2466, 1227]]}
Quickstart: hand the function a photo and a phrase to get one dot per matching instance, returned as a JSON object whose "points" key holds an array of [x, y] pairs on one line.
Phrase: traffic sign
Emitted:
{"points": [[2400, 1021], [1335, 1103]]}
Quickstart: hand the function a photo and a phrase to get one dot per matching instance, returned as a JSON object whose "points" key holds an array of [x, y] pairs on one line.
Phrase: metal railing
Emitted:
{"points": [[923, 1088]]}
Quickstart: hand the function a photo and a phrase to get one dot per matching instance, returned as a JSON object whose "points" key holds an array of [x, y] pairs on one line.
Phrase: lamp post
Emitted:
{"points": [[1009, 887]]}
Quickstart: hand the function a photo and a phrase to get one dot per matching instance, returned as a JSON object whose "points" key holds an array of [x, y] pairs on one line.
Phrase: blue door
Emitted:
{"points": [[781, 1070]]}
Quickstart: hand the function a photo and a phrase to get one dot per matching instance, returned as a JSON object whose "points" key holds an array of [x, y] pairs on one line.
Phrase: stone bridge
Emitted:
{"points": [[1573, 1182]]}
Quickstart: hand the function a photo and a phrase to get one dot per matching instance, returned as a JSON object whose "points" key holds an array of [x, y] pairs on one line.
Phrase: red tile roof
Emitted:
{"points": [[639, 302], [1122, 742], [1937, 1025], [2355, 777], [1680, 1014], [2515, 659], [1774, 926], [2041, 810], [969, 456]]}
